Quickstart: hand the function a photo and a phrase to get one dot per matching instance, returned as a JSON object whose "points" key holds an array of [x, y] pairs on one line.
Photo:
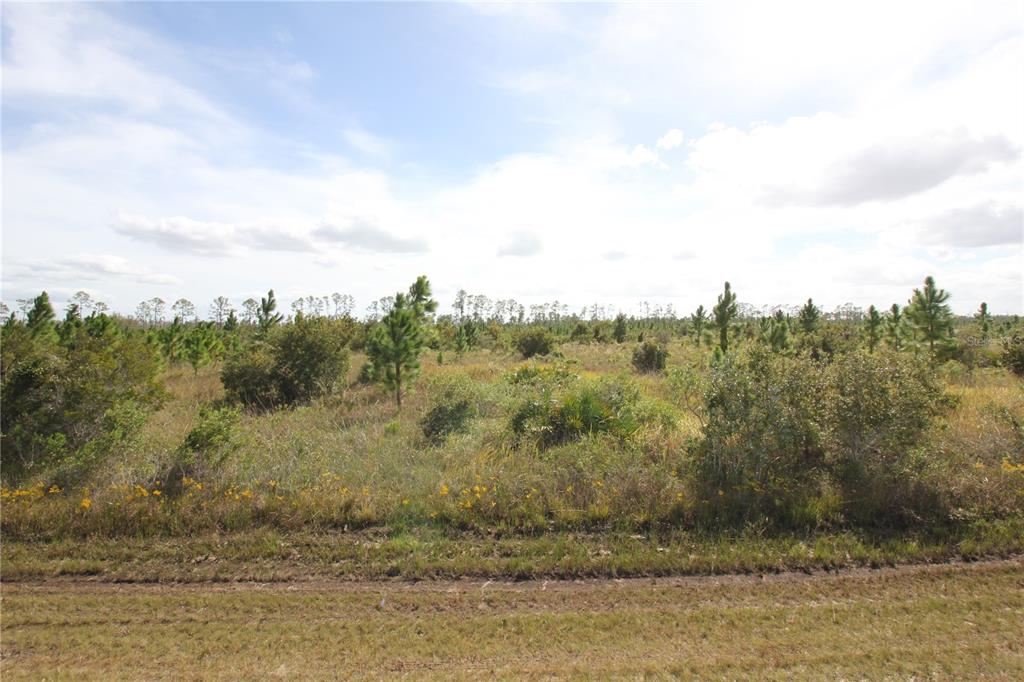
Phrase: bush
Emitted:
{"points": [[60, 400], [879, 407], [1013, 353], [761, 455], [210, 441], [454, 403], [295, 363], [535, 341], [606, 406], [649, 357], [250, 378]]}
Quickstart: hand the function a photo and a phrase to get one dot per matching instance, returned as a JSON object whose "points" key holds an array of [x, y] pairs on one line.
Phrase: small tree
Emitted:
{"points": [[984, 320], [40, 318], [725, 312], [895, 327], [266, 314], [775, 332], [809, 318], [420, 301], [931, 317], [699, 319], [619, 331], [873, 328], [202, 345], [394, 346]]}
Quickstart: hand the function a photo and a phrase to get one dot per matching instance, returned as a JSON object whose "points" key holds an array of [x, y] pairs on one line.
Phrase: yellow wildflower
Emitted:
{"points": [[86, 503]]}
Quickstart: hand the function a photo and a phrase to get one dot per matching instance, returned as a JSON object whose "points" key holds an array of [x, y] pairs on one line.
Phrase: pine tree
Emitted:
{"points": [[699, 319], [419, 298], [394, 346], [810, 317], [39, 319], [931, 316], [201, 345], [895, 327], [984, 320], [265, 314], [775, 331], [619, 331], [873, 328], [724, 313]]}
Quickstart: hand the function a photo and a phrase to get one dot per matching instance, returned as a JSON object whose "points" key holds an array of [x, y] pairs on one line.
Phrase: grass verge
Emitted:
{"points": [[420, 552]]}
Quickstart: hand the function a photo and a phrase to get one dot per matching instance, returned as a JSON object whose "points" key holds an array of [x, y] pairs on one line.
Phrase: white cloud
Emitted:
{"points": [[369, 144], [94, 267], [521, 244], [370, 239], [671, 139]]}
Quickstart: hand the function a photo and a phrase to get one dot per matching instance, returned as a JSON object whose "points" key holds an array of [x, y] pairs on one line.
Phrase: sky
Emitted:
{"points": [[606, 154]]}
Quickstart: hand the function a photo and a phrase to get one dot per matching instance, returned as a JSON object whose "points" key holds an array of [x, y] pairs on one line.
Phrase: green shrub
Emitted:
{"points": [[1013, 353], [58, 398], [761, 456], [453, 404], [879, 406], [205, 448], [249, 377], [534, 341], [295, 363], [649, 357], [605, 406]]}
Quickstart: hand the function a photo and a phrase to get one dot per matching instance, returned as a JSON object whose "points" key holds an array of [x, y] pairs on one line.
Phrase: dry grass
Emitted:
{"points": [[953, 622]]}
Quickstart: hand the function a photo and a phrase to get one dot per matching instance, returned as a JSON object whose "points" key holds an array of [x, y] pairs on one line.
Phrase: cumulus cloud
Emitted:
{"points": [[987, 224], [370, 239], [179, 234], [671, 139], [521, 244], [897, 168], [643, 156]]}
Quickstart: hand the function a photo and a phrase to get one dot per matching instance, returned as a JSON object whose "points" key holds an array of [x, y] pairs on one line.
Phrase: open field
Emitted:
{"points": [[935, 622]]}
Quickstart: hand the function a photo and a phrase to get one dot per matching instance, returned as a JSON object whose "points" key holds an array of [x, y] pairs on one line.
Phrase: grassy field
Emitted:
{"points": [[927, 622], [350, 461]]}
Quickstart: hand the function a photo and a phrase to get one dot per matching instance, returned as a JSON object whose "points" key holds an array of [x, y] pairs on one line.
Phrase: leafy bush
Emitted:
{"points": [[606, 406], [250, 378], [761, 456], [210, 441], [879, 406], [534, 341], [453, 404], [649, 357], [58, 398], [295, 363], [1013, 353]]}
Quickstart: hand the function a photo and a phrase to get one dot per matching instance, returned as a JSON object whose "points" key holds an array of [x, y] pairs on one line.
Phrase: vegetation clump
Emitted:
{"points": [[649, 357], [291, 364], [534, 342]]}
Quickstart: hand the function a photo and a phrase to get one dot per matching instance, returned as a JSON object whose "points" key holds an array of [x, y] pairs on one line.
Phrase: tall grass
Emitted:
{"points": [[351, 460]]}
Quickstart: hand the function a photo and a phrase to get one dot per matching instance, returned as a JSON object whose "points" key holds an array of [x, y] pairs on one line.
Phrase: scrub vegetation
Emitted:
{"points": [[491, 426]]}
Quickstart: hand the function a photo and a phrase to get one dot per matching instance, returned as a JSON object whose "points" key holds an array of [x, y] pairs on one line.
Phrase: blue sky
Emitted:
{"points": [[587, 153]]}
